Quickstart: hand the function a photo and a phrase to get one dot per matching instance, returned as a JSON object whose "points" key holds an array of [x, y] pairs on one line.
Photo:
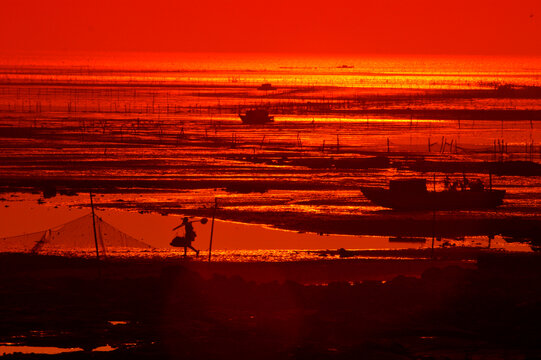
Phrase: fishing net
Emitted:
{"points": [[76, 235]]}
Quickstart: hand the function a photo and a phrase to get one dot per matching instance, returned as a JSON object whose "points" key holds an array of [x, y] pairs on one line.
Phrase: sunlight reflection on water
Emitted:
{"points": [[8, 348], [233, 241]]}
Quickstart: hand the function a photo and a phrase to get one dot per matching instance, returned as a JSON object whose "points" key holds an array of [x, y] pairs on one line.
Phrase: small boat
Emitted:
{"points": [[256, 117], [412, 194], [266, 86]]}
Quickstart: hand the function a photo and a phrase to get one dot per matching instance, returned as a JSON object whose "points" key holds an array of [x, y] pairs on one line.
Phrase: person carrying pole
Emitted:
{"points": [[189, 237]]}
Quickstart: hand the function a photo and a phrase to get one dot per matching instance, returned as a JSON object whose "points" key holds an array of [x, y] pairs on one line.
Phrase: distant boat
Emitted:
{"points": [[411, 194], [266, 86], [256, 117]]}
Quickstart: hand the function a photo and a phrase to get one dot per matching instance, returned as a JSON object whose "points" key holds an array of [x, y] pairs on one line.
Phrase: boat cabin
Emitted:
{"points": [[266, 86], [258, 116]]}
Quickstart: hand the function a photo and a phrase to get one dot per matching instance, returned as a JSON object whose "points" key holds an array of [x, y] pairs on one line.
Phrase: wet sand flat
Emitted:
{"points": [[278, 177]]}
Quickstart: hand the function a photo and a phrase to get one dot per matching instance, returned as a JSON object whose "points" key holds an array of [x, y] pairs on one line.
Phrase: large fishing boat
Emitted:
{"points": [[256, 117], [412, 194]]}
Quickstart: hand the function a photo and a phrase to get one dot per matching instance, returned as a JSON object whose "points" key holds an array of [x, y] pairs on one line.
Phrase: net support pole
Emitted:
{"points": [[94, 227], [433, 221], [433, 232], [212, 227]]}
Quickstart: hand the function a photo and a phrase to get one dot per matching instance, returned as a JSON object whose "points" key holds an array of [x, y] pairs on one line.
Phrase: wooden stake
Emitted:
{"points": [[94, 226], [212, 227], [433, 231]]}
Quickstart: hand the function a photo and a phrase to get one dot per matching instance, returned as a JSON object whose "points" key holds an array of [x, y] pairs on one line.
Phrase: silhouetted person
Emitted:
{"points": [[189, 237], [477, 185], [447, 182], [464, 183]]}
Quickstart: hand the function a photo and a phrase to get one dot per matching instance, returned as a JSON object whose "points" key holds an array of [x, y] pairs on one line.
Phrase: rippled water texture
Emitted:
{"points": [[161, 133]]}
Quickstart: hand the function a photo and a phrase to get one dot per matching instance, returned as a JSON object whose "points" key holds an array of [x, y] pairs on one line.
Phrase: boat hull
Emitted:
{"points": [[434, 200]]}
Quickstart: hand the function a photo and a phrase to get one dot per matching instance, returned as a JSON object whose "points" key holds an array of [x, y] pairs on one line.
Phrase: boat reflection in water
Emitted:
{"points": [[412, 194]]}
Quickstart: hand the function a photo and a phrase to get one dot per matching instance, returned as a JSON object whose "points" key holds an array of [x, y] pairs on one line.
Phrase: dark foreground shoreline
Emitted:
{"points": [[169, 310]]}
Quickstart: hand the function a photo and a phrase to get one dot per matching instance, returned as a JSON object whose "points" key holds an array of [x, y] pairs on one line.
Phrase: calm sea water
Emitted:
{"points": [[175, 117], [363, 71]]}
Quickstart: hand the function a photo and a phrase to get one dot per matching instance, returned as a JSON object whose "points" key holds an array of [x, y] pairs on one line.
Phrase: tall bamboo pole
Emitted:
{"points": [[212, 227], [94, 226]]}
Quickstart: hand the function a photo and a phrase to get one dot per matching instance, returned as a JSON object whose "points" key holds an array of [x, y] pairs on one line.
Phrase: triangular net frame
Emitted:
{"points": [[76, 235]]}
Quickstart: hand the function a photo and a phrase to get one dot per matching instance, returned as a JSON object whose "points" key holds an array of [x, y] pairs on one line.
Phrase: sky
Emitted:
{"points": [[469, 27]]}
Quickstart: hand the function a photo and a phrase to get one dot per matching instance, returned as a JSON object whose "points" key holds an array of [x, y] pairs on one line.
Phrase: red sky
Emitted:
{"points": [[338, 26]]}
